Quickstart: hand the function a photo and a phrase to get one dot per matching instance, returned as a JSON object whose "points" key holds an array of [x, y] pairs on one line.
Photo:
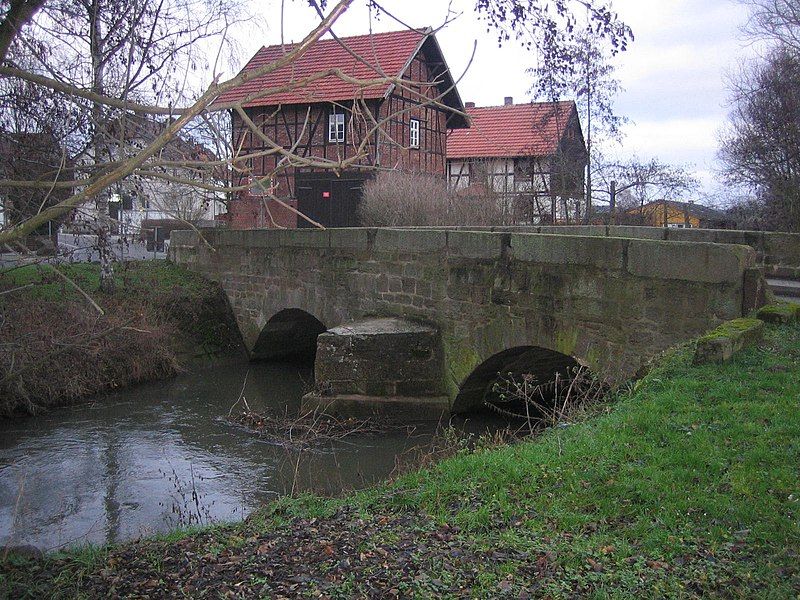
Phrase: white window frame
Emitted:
{"points": [[336, 127], [413, 136]]}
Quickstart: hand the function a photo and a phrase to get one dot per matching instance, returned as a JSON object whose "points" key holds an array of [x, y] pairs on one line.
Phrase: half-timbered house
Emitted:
{"points": [[532, 156], [322, 118]]}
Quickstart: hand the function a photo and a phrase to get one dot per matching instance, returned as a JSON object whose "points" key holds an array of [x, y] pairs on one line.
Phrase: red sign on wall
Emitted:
{"points": [[326, 194]]}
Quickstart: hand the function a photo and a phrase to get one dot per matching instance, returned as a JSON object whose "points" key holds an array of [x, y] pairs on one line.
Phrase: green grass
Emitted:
{"points": [[149, 277], [683, 466], [688, 486]]}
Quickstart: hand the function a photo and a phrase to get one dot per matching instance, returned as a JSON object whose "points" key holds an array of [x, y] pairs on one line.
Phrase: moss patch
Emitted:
{"points": [[779, 312], [729, 338], [731, 329]]}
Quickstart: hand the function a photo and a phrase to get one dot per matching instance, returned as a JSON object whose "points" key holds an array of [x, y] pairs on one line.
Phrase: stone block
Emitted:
{"points": [[260, 238], [600, 252], [754, 239], [475, 244], [707, 263], [405, 408], [409, 240], [230, 237], [779, 313], [636, 232], [689, 234], [349, 238], [723, 342], [754, 292], [782, 249], [380, 357], [578, 230], [303, 238]]}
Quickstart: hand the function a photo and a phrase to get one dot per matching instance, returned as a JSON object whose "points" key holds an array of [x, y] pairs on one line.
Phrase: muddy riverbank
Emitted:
{"points": [[64, 340]]}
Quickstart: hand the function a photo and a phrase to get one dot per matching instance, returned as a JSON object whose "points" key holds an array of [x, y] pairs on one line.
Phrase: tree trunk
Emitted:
{"points": [[588, 144], [99, 149]]}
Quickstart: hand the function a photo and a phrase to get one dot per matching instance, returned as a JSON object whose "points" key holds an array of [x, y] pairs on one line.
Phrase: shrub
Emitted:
{"points": [[403, 199]]}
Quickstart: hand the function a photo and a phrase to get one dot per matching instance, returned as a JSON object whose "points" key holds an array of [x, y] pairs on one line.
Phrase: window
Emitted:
{"points": [[336, 126], [414, 137], [458, 172]]}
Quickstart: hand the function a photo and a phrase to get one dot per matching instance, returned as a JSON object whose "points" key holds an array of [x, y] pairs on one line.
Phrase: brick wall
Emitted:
{"points": [[252, 212]]}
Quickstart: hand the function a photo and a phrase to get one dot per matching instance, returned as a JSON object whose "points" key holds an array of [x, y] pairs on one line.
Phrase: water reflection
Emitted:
{"points": [[126, 465]]}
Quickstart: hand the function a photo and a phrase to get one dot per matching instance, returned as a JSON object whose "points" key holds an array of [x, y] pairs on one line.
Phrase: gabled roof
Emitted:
{"points": [[533, 129], [361, 57]]}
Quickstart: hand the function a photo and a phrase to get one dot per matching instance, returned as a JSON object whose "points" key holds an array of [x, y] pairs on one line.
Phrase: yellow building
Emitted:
{"points": [[680, 214]]}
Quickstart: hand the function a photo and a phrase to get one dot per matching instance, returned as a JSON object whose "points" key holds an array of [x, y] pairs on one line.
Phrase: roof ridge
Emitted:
{"points": [[422, 31], [521, 104]]}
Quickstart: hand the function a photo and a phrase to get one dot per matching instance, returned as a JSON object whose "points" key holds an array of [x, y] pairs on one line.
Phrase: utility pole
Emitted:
{"points": [[588, 136], [613, 202]]}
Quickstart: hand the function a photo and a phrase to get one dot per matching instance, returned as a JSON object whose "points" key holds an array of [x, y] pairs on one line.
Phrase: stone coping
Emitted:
{"points": [[779, 312], [687, 261], [380, 326], [720, 344], [777, 249]]}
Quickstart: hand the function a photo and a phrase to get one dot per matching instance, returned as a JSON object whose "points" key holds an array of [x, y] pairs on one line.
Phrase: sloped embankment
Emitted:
{"points": [[57, 347], [685, 487]]}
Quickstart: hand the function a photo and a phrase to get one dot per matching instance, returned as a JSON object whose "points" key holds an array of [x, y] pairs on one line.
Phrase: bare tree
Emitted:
{"points": [[112, 89], [138, 50], [589, 77], [642, 182], [775, 21], [761, 147]]}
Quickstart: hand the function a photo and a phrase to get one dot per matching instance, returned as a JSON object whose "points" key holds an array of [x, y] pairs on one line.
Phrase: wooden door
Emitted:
{"points": [[329, 200]]}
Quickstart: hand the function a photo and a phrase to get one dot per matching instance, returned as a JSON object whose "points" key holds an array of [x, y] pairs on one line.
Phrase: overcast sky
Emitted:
{"points": [[674, 73]]}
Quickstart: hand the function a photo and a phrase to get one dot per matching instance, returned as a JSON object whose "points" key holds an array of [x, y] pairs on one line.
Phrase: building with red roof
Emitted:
{"points": [[532, 155], [326, 121]]}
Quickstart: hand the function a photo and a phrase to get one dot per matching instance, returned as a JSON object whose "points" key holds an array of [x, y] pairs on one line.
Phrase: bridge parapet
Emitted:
{"points": [[609, 302], [778, 253]]}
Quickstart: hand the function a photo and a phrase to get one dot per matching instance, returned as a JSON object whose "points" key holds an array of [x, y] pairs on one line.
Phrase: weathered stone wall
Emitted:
{"points": [[609, 302], [776, 252]]}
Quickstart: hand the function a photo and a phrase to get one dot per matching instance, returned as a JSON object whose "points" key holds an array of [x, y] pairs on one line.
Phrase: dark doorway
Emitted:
{"points": [[329, 200]]}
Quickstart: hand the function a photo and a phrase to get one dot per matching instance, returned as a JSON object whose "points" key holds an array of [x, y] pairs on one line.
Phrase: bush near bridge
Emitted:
{"points": [[57, 348], [688, 486]]}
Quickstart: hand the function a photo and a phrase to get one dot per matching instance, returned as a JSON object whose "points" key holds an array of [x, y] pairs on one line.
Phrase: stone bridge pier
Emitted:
{"points": [[425, 318]]}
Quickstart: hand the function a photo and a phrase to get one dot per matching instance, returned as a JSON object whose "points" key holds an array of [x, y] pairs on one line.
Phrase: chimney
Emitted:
{"points": [[469, 105], [508, 101]]}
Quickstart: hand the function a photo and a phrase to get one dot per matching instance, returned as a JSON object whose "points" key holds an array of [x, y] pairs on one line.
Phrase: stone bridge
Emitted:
{"points": [[484, 300]]}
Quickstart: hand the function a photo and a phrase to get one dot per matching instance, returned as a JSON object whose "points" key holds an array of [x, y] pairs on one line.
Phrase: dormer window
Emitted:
{"points": [[414, 134], [336, 126]]}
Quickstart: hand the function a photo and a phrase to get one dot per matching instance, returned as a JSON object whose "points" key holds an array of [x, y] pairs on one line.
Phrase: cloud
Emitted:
{"points": [[674, 74]]}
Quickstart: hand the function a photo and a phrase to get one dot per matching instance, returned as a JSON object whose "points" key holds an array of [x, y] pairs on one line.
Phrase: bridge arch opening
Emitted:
{"points": [[483, 387], [290, 335]]}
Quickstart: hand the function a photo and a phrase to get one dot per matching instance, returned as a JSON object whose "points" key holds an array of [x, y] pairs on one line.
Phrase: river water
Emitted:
{"points": [[153, 457]]}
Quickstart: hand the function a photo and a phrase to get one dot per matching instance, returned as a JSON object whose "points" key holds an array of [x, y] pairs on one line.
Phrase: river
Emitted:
{"points": [[153, 457]]}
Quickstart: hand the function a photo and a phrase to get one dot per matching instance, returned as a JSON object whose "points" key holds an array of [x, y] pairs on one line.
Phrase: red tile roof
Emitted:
{"points": [[382, 53], [533, 129]]}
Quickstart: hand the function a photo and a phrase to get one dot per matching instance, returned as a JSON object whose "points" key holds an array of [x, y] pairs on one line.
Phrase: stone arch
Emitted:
{"points": [[290, 334], [540, 362]]}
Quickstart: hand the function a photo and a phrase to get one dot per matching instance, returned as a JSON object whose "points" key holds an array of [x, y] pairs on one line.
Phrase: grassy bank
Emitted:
{"points": [[59, 346], [689, 486]]}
